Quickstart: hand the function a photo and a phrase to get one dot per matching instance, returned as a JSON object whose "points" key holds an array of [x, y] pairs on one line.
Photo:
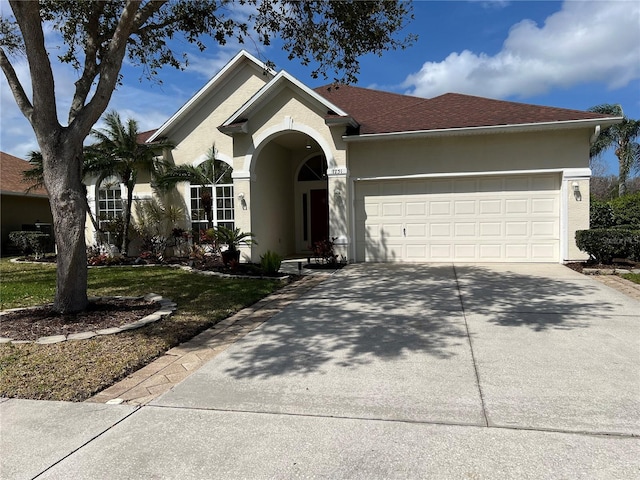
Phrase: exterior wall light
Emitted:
{"points": [[576, 191], [243, 202]]}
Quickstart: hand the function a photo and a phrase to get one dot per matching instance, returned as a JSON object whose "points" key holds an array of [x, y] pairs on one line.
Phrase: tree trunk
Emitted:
{"points": [[127, 220], [62, 175]]}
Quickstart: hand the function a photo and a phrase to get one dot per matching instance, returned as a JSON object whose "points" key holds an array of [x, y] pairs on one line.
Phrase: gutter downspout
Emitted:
{"points": [[595, 135]]}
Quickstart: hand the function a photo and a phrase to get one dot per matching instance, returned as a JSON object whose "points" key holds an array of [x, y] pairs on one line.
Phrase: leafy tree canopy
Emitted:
{"points": [[98, 35]]}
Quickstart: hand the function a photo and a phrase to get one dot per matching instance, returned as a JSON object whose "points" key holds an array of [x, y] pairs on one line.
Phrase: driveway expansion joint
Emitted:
{"points": [[473, 356]]}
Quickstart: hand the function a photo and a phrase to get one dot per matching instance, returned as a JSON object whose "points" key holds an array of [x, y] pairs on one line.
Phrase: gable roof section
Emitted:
{"points": [[11, 183], [272, 88], [385, 113], [217, 80]]}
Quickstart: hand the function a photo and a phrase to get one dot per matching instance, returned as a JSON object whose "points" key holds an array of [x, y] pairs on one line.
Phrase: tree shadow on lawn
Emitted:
{"points": [[369, 314]]}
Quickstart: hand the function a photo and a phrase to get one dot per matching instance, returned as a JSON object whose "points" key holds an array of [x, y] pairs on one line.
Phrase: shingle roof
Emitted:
{"points": [[11, 169], [144, 136], [384, 112]]}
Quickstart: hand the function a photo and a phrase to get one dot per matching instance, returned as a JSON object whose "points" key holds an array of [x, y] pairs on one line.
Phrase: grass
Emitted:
{"points": [[634, 277], [77, 370]]}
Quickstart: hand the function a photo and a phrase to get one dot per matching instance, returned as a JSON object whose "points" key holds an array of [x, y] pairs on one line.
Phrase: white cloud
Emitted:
{"points": [[584, 42]]}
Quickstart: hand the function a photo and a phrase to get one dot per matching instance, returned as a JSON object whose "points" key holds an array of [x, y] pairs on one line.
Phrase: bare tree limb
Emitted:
{"points": [[23, 102], [44, 112]]}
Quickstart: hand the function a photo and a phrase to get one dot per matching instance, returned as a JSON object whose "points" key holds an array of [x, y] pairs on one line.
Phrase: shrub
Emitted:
{"points": [[270, 262], [601, 215], [31, 242], [626, 210], [323, 252], [603, 245]]}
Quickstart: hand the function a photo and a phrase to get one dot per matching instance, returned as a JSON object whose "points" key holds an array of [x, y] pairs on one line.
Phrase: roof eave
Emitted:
{"points": [[489, 129], [238, 127], [341, 121], [24, 194]]}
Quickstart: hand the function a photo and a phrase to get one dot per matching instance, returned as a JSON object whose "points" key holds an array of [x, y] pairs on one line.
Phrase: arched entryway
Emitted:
{"points": [[289, 204]]}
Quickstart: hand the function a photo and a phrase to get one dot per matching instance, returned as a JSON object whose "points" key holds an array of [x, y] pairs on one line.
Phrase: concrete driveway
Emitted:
{"points": [[393, 371]]}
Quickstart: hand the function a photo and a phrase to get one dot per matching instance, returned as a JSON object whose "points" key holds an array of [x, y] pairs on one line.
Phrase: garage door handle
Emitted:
{"points": [[404, 232]]}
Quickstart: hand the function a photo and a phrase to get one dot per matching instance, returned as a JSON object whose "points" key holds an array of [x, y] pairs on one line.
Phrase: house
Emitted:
{"points": [[390, 177], [20, 210]]}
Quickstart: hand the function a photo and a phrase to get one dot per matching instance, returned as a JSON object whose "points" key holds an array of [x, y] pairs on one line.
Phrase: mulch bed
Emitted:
{"points": [[33, 323], [618, 263]]}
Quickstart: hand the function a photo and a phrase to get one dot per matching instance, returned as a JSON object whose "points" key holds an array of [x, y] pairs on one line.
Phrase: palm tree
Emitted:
{"points": [[623, 137], [118, 153], [210, 172], [35, 178]]}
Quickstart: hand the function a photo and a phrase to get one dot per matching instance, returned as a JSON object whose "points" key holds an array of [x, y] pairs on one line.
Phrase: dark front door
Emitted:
{"points": [[319, 216]]}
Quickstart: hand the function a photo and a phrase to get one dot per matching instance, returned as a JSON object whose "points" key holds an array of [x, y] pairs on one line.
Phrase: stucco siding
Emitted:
{"points": [[478, 153], [198, 132], [272, 203], [578, 217]]}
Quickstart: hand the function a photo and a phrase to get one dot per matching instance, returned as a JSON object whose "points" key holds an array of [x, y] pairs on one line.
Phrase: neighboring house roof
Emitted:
{"points": [[143, 137], [218, 79], [11, 183], [382, 112]]}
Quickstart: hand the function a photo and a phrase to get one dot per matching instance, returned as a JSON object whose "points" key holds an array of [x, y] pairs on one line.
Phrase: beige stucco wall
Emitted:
{"points": [[272, 208], [577, 216], [198, 131], [477, 153]]}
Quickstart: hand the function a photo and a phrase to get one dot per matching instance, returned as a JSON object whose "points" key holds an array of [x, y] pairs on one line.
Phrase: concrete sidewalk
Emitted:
{"points": [[381, 371]]}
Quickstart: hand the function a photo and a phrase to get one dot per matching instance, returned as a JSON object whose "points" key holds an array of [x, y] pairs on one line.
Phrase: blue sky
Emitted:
{"points": [[572, 54]]}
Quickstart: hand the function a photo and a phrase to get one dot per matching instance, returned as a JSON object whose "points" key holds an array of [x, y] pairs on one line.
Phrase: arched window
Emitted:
{"points": [[314, 169], [216, 196], [110, 208]]}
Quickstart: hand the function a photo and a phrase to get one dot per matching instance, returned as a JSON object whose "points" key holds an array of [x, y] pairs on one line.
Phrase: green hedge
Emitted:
{"points": [[626, 210], [605, 244], [31, 242], [622, 211]]}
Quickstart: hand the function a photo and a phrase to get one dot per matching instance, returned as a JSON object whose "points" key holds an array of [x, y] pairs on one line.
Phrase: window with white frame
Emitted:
{"points": [[217, 198], [110, 209]]}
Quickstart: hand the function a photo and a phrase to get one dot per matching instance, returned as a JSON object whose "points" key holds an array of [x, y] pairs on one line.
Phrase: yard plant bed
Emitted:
{"points": [[620, 264], [77, 370], [36, 322]]}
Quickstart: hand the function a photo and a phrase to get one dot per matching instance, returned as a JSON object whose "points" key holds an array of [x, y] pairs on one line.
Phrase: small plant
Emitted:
{"points": [[31, 242], [270, 262], [323, 252], [233, 238]]}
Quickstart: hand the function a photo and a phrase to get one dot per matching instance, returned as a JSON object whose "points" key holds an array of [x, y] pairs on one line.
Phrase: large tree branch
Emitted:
{"points": [[91, 46], [146, 12], [23, 102], [44, 112], [108, 71]]}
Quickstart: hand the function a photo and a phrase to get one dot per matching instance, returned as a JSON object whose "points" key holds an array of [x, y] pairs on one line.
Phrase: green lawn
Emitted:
{"points": [[634, 277], [77, 370]]}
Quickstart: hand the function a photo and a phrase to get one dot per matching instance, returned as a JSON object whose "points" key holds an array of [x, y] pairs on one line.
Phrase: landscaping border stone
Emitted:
{"points": [[166, 308]]}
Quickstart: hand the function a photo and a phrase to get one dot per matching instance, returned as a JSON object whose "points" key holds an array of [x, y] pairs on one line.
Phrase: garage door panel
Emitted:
{"points": [[440, 207], [516, 206], [416, 209], [543, 205], [392, 209], [490, 219], [490, 207], [465, 251], [490, 229], [465, 229]]}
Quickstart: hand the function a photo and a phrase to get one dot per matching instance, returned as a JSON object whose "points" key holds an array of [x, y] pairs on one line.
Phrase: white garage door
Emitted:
{"points": [[487, 219]]}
